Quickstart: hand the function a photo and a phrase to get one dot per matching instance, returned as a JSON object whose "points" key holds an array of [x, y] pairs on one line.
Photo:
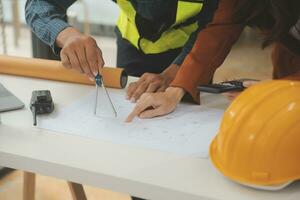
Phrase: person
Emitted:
{"points": [[280, 23], [153, 38]]}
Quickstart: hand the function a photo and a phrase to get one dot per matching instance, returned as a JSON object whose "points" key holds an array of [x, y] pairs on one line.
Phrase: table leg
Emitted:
{"points": [[28, 186], [16, 21], [77, 191]]}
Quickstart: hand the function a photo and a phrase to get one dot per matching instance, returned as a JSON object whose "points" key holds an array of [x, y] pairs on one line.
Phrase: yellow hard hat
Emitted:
{"points": [[259, 139]]}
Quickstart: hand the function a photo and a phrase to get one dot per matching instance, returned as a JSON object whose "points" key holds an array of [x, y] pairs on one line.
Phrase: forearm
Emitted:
{"points": [[170, 72], [294, 76], [47, 19], [207, 55], [62, 37], [176, 93], [209, 51]]}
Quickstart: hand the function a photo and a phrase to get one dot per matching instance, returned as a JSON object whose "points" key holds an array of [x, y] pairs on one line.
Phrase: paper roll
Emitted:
{"points": [[54, 70]]}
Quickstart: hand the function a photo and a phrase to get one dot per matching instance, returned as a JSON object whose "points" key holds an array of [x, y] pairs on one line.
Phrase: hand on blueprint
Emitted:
{"points": [[156, 104], [232, 95], [151, 83], [80, 52]]}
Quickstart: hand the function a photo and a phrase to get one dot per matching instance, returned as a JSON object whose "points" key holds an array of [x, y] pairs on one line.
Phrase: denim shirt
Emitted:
{"points": [[47, 18]]}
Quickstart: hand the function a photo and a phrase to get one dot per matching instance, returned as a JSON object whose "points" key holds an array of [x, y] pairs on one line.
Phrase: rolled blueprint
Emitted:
{"points": [[54, 70]]}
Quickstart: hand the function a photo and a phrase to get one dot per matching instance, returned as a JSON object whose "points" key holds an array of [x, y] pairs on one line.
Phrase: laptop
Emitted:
{"points": [[8, 101]]}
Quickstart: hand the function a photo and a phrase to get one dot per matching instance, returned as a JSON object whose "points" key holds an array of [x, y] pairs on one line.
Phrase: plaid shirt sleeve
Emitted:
{"points": [[47, 18]]}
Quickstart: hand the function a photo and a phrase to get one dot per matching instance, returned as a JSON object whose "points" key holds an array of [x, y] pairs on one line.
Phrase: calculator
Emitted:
{"points": [[226, 86]]}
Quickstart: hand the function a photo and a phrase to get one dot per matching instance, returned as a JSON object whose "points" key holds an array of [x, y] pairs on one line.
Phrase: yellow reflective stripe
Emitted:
{"points": [[187, 9], [171, 39], [126, 22], [127, 9], [128, 30]]}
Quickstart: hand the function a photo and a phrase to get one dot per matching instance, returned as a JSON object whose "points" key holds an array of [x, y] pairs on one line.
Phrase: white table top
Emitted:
{"points": [[140, 172]]}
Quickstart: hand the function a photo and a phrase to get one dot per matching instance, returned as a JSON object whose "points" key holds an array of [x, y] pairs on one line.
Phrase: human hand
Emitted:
{"points": [[156, 104], [80, 52], [232, 95], [151, 83]]}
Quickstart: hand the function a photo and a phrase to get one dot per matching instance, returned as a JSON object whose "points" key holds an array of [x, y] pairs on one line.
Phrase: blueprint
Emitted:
{"points": [[187, 131]]}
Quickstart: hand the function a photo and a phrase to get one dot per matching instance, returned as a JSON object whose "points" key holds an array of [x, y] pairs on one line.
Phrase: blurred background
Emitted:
{"points": [[246, 60], [92, 17], [99, 17]]}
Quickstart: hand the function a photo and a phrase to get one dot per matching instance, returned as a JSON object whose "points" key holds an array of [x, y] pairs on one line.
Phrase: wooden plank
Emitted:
{"points": [[29, 186]]}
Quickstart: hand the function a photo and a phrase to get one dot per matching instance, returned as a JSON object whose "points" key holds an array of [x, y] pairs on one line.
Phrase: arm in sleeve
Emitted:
{"points": [[47, 18], [204, 18], [286, 63], [295, 76], [212, 46]]}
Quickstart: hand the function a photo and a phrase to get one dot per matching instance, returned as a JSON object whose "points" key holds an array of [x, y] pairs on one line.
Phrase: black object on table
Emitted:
{"points": [[226, 86], [41, 103]]}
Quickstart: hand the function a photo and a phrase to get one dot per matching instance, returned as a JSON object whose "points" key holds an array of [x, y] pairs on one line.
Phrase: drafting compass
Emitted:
{"points": [[100, 83]]}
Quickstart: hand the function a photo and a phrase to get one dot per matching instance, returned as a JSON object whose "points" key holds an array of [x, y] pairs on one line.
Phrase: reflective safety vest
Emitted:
{"points": [[174, 37]]}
